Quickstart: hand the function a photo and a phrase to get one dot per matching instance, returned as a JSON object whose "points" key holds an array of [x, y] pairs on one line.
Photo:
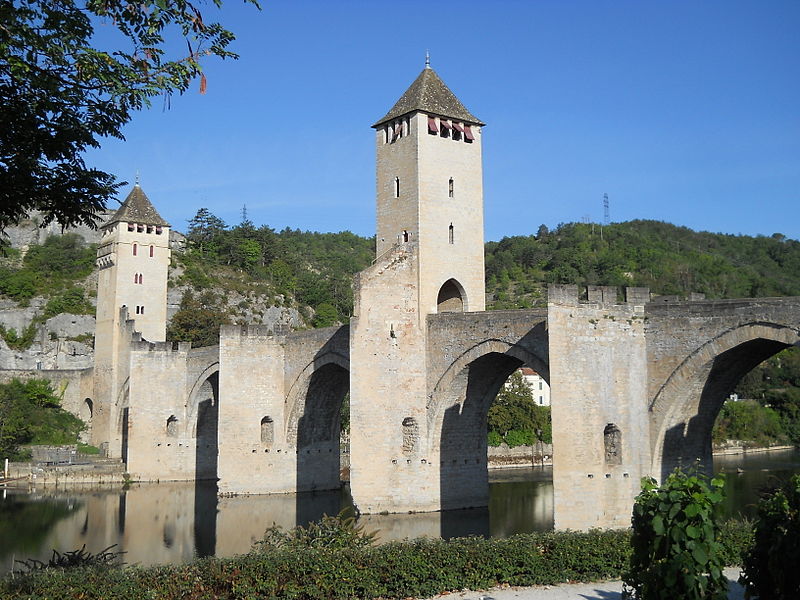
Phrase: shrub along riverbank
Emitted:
{"points": [[419, 568]]}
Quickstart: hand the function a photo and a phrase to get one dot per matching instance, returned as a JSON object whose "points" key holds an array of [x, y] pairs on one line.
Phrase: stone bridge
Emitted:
{"points": [[636, 387]]}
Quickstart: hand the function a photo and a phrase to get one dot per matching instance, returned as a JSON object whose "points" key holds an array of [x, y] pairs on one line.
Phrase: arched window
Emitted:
{"points": [[134, 249], [450, 188], [451, 297], [406, 235], [410, 435], [267, 430], [172, 426], [612, 440], [87, 411], [152, 249], [450, 233], [396, 187]]}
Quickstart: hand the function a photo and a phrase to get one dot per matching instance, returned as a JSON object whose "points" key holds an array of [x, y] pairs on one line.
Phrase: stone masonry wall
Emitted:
{"points": [[598, 371]]}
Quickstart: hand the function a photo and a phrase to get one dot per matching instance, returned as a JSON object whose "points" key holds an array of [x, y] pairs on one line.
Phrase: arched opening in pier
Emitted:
{"points": [[459, 417], [205, 401], [451, 297], [686, 408]]}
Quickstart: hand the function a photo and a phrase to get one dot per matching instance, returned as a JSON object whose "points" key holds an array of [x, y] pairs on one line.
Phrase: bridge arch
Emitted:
{"points": [[321, 384], [684, 409], [457, 412], [202, 411], [443, 392], [312, 425]]}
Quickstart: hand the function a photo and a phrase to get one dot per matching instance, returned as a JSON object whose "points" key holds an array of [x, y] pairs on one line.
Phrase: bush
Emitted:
{"points": [[494, 439], [299, 564], [676, 552], [771, 567], [518, 437]]}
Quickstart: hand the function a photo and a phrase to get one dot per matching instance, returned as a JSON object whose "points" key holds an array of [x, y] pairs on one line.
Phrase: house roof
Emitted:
{"points": [[429, 94], [137, 208]]}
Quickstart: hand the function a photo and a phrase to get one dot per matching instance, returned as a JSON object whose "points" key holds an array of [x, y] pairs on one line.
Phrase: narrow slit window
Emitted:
{"points": [[131, 226], [468, 135], [152, 250], [450, 188], [135, 247], [450, 233], [406, 235], [458, 129], [396, 187]]}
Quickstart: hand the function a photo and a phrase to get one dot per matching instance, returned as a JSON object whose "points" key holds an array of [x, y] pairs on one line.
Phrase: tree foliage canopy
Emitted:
{"points": [[30, 413], [60, 94]]}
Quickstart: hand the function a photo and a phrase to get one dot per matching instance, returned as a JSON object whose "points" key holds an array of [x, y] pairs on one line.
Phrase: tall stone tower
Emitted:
{"points": [[430, 191], [429, 260], [132, 259]]}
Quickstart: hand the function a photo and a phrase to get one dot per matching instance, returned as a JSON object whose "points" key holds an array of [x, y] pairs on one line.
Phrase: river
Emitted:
{"points": [[173, 523]]}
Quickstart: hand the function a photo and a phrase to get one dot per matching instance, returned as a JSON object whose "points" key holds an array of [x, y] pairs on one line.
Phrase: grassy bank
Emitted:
{"points": [[419, 568]]}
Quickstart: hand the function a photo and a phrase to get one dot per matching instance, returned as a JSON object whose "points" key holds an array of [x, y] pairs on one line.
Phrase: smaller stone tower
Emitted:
{"points": [[132, 260]]}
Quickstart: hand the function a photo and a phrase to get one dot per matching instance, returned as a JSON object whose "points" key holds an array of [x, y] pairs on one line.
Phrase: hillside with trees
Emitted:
{"points": [[668, 259]]}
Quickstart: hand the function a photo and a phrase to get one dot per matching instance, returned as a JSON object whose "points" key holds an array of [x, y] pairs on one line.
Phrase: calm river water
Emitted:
{"points": [[173, 523]]}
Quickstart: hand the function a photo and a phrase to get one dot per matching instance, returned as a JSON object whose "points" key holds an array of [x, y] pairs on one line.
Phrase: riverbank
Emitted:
{"points": [[734, 449]]}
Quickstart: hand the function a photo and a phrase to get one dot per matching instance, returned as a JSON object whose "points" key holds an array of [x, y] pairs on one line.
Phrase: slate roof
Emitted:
{"points": [[137, 208], [429, 94]]}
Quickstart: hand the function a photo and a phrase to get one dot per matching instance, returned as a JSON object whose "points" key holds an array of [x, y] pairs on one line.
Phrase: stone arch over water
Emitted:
{"points": [[683, 412], [457, 417], [312, 426]]}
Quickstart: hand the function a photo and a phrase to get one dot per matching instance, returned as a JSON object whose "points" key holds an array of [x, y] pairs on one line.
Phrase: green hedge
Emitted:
{"points": [[419, 568]]}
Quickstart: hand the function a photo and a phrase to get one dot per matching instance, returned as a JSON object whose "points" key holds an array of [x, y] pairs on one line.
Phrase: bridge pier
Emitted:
{"points": [[598, 370]]}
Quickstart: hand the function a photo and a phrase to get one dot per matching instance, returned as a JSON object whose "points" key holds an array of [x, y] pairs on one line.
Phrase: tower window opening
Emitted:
{"points": [[396, 187], [131, 226], [450, 236], [152, 250], [468, 135], [135, 248], [398, 130], [458, 129], [406, 235], [445, 128], [149, 229], [450, 188], [139, 227], [433, 128], [158, 230]]}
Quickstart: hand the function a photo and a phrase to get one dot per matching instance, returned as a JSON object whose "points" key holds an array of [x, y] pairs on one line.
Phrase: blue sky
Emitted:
{"points": [[681, 111]]}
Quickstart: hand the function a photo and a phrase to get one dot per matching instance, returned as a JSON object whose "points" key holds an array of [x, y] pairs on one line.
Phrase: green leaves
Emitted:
{"points": [[771, 567], [675, 549], [60, 94]]}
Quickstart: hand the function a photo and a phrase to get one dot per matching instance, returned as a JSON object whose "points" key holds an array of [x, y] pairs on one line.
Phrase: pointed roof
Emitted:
{"points": [[137, 208], [429, 94]]}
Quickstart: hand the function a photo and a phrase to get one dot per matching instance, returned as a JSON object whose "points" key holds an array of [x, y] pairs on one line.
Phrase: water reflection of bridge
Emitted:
{"points": [[173, 523]]}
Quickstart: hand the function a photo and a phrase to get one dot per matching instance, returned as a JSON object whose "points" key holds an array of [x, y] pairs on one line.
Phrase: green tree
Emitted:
{"points": [[326, 315], [204, 228], [516, 417], [197, 321], [60, 93], [30, 413]]}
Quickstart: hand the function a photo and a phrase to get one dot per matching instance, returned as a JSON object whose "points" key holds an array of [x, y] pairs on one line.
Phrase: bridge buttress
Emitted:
{"points": [[598, 372]]}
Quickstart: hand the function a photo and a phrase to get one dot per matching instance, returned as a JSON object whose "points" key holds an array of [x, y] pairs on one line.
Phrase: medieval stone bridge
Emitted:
{"points": [[636, 387]]}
